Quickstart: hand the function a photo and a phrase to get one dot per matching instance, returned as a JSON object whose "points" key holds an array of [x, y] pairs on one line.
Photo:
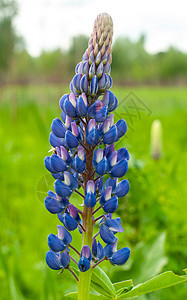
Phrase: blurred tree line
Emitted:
{"points": [[132, 64]]}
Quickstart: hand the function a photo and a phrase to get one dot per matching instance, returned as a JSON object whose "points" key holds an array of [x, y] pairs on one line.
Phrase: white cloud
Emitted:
{"points": [[46, 24]]}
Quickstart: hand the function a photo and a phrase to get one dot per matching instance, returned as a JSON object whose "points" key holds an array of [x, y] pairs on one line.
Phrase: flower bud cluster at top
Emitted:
{"points": [[85, 162]]}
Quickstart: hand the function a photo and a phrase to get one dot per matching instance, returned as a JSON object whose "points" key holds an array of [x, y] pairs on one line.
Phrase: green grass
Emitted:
{"points": [[156, 202]]}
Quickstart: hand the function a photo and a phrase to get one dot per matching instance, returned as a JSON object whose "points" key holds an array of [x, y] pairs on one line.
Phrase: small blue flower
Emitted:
{"points": [[102, 114], [97, 251], [70, 140], [84, 84], [74, 213], [53, 261], [56, 141], [120, 169], [111, 135], [58, 164], [121, 128], [111, 205], [90, 199], [94, 108], [62, 189], [55, 243], [69, 106], [122, 188], [102, 82], [55, 205], [70, 180], [84, 264], [62, 99], [78, 164], [106, 234], [76, 82], [82, 105], [110, 249], [120, 257], [122, 153], [102, 167], [69, 222], [58, 128], [64, 235], [86, 252], [110, 100], [92, 136]]}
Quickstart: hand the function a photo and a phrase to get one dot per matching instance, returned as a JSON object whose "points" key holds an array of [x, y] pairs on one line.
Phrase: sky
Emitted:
{"points": [[50, 24]]}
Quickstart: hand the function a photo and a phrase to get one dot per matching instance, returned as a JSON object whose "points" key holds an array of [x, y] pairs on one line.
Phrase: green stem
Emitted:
{"points": [[88, 224], [85, 277]]}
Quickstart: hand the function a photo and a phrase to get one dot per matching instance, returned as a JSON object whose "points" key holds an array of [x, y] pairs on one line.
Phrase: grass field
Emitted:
{"points": [[153, 214]]}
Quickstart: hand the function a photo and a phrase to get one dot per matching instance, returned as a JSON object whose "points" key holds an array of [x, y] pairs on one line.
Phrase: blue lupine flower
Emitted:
{"points": [[108, 228], [70, 140], [55, 243], [111, 205], [69, 222], [82, 105], [102, 167], [84, 84], [53, 260], [123, 153], [58, 128], [122, 188], [97, 251], [76, 82], [120, 169], [90, 199], [62, 99], [84, 264], [74, 213], [62, 189], [83, 153], [110, 136], [121, 127], [55, 204], [94, 108], [86, 256], [110, 249], [92, 135], [69, 106], [120, 257], [102, 114], [56, 141]]}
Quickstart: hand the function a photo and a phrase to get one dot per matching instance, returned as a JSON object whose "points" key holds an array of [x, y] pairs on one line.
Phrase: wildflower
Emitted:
{"points": [[85, 163]]}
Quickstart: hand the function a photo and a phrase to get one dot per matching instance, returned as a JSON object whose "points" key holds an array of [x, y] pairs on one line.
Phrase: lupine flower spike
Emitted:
{"points": [[86, 163]]}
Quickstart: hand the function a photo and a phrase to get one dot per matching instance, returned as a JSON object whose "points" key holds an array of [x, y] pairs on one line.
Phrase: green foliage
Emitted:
{"points": [[156, 202], [8, 10], [126, 291]]}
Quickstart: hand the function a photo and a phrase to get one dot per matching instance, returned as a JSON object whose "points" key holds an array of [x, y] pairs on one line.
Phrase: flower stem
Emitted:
{"points": [[88, 224]]}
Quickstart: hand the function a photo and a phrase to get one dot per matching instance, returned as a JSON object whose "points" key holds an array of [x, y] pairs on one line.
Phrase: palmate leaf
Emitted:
{"points": [[159, 282]]}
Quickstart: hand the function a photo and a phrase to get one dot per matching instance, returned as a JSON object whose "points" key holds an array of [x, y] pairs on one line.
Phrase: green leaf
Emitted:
{"points": [[149, 256], [159, 282], [102, 282], [123, 286], [74, 296], [185, 270]]}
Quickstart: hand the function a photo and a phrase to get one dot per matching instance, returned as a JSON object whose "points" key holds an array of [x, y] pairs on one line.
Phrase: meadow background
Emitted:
{"points": [[153, 213]]}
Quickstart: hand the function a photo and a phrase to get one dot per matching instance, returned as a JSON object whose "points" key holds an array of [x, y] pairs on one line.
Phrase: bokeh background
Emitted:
{"points": [[40, 44]]}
